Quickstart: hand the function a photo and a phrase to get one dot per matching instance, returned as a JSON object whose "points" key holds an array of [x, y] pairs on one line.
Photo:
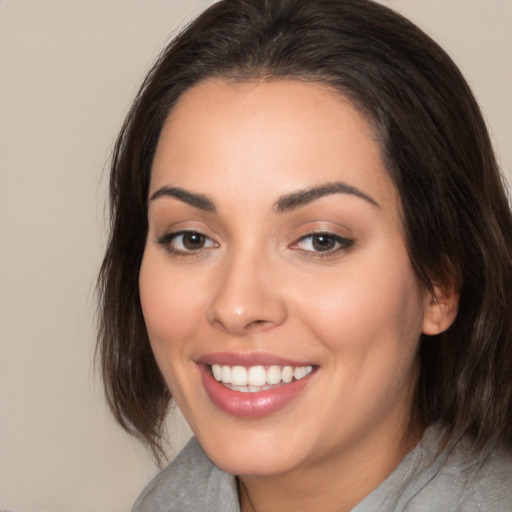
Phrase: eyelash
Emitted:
{"points": [[167, 239], [340, 243]]}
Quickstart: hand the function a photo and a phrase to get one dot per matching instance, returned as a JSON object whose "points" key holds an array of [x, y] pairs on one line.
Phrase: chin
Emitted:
{"points": [[257, 456]]}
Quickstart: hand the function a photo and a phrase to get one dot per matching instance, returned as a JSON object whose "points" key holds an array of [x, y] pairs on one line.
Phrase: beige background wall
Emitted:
{"points": [[68, 70]]}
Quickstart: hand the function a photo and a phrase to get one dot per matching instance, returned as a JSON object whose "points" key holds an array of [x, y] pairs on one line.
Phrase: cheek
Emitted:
{"points": [[373, 308], [171, 304]]}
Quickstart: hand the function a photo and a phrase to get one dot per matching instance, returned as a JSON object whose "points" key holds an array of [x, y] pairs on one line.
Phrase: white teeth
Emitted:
{"points": [[238, 376], [217, 372], [273, 375], [254, 378], [287, 375], [300, 372], [226, 374]]}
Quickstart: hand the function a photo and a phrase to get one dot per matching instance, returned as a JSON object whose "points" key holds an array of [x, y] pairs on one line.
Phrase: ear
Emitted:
{"points": [[441, 307]]}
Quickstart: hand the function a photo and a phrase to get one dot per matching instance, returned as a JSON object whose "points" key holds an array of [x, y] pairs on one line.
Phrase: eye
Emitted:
{"points": [[183, 242], [323, 242]]}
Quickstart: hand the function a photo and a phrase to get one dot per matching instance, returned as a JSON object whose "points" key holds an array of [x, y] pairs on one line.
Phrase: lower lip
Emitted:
{"points": [[251, 405]]}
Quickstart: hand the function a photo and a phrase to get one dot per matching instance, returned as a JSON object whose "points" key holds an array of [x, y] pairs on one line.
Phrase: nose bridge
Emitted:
{"points": [[245, 298]]}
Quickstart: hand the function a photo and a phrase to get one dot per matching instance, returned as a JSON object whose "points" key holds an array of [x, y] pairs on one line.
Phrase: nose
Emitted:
{"points": [[246, 296]]}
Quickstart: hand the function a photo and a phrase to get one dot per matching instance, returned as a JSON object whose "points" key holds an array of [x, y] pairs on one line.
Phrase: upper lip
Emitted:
{"points": [[248, 359]]}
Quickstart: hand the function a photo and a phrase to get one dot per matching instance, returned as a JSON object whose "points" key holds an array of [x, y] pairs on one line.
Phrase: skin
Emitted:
{"points": [[258, 283]]}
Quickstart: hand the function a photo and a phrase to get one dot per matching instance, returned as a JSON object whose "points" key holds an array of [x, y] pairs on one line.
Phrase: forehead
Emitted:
{"points": [[254, 135]]}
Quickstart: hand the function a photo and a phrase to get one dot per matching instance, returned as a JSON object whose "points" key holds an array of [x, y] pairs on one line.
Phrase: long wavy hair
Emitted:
{"points": [[434, 144]]}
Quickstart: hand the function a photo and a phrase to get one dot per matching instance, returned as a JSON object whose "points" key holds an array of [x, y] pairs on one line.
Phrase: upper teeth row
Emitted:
{"points": [[258, 375]]}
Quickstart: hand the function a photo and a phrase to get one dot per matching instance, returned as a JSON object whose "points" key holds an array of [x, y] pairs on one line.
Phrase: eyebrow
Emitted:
{"points": [[196, 200], [303, 197], [285, 203]]}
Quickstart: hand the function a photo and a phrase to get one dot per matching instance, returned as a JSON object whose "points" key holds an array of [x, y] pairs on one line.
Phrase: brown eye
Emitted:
{"points": [[186, 242], [323, 242], [193, 241]]}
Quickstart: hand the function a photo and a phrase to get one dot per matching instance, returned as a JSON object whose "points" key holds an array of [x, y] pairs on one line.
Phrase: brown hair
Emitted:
{"points": [[436, 148]]}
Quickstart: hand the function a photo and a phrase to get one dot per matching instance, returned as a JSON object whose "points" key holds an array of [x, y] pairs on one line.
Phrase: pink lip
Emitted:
{"points": [[248, 359], [251, 405]]}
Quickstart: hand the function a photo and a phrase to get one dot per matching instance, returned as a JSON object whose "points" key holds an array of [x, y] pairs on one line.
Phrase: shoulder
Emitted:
{"points": [[490, 482], [455, 479], [469, 482], [189, 483]]}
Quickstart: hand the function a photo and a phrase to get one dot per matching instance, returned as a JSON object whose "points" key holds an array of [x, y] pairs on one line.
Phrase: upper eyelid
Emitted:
{"points": [[171, 234], [344, 244], [326, 233], [175, 231]]}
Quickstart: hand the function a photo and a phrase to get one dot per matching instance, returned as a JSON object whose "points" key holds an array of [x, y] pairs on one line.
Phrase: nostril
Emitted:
{"points": [[258, 324]]}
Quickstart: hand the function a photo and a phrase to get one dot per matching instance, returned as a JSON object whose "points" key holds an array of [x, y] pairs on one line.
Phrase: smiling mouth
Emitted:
{"points": [[254, 379]]}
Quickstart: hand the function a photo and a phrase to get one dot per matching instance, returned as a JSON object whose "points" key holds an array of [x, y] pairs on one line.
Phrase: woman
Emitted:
{"points": [[310, 251]]}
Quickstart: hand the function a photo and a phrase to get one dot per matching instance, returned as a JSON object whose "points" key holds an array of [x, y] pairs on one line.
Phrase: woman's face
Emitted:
{"points": [[275, 242]]}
